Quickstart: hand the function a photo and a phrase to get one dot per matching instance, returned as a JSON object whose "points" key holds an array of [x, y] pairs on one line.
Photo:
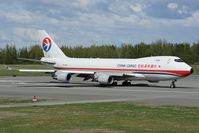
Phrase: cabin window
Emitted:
{"points": [[178, 60]]}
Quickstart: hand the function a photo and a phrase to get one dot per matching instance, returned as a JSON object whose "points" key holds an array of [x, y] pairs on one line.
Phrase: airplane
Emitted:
{"points": [[108, 71]]}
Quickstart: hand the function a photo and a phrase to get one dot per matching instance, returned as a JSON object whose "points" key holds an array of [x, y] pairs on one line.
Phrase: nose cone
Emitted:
{"points": [[187, 72], [191, 71]]}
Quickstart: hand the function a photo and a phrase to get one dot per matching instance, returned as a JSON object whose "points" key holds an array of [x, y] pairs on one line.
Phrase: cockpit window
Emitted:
{"points": [[178, 60]]}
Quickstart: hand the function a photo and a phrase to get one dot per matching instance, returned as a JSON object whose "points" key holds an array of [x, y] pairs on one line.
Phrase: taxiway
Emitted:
{"points": [[186, 93]]}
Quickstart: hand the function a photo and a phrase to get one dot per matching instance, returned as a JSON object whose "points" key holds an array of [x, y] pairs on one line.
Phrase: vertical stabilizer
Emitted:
{"points": [[49, 47]]}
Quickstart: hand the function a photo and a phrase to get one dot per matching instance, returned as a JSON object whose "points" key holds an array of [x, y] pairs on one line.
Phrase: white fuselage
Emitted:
{"points": [[157, 68]]}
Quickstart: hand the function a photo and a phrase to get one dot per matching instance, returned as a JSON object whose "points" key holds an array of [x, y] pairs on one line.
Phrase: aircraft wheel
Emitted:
{"points": [[173, 84], [114, 84], [123, 83], [126, 83]]}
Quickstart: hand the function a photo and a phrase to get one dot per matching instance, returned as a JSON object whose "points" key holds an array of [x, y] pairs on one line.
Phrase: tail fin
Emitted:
{"points": [[49, 47]]}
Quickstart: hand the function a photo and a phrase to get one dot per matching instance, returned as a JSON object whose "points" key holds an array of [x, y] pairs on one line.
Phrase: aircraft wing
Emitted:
{"points": [[30, 70], [40, 61], [50, 71], [88, 74], [125, 75], [37, 70], [116, 75]]}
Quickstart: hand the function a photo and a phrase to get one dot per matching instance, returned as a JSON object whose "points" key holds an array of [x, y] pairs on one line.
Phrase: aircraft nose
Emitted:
{"points": [[191, 71]]}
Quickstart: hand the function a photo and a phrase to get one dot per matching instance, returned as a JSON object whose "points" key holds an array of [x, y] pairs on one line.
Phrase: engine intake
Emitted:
{"points": [[62, 76], [105, 79]]}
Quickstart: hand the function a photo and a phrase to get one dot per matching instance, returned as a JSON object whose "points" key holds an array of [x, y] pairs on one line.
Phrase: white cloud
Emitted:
{"points": [[172, 6], [18, 16], [191, 21], [27, 34], [180, 9], [184, 10], [95, 21], [138, 8], [3, 36], [121, 9], [85, 3]]}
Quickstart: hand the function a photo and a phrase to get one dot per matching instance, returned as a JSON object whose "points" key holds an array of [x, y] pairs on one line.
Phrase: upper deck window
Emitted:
{"points": [[178, 60]]}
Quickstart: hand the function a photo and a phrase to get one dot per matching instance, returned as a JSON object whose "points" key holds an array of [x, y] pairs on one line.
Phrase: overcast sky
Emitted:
{"points": [[86, 22]]}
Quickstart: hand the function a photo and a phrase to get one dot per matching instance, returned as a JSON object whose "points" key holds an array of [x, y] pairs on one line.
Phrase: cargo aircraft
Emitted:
{"points": [[109, 71]]}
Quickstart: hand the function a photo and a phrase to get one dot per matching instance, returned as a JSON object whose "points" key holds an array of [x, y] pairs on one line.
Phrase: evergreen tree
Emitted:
{"points": [[189, 53]]}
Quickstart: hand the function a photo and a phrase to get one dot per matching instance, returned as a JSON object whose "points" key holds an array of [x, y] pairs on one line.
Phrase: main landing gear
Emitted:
{"points": [[114, 83], [126, 83], [173, 84]]}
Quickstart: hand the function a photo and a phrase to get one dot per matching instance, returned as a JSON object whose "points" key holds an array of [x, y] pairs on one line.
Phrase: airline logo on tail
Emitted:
{"points": [[46, 44]]}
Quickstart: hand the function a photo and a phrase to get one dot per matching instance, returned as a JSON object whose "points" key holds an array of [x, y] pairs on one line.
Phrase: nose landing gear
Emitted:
{"points": [[173, 84]]}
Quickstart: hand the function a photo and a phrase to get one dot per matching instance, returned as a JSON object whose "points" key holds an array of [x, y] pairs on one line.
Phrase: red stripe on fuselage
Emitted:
{"points": [[177, 72]]}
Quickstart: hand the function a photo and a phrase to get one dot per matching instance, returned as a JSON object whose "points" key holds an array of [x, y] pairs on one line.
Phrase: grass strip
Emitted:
{"points": [[100, 117]]}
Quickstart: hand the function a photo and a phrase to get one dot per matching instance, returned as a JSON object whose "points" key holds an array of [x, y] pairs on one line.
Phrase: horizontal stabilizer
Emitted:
{"points": [[25, 59]]}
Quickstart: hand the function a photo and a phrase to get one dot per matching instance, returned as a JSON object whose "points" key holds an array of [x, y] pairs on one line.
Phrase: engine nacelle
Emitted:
{"points": [[62, 76], [105, 79]]}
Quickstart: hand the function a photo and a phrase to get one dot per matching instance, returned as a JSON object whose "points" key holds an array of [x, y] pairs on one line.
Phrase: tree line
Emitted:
{"points": [[188, 52]]}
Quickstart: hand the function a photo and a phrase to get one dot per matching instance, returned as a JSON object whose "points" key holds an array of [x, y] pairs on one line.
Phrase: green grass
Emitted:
{"points": [[196, 69], [99, 117], [6, 101], [5, 72]]}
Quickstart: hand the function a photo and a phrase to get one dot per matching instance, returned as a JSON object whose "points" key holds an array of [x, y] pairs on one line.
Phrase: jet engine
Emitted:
{"points": [[62, 76], [104, 79]]}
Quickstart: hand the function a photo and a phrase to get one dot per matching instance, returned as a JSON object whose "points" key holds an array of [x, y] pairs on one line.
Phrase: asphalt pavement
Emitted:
{"points": [[186, 93]]}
